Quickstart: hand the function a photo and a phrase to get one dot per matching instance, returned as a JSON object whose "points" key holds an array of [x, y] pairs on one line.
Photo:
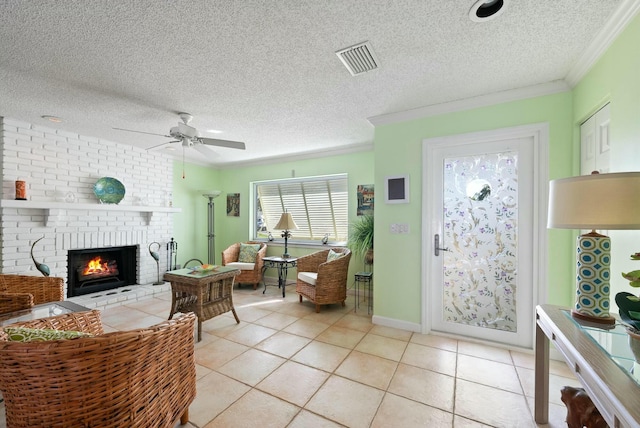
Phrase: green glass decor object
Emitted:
{"points": [[108, 190], [629, 309]]}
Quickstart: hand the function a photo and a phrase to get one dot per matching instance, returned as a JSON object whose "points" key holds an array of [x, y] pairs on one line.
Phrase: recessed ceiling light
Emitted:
{"points": [[484, 10], [53, 119], [214, 131]]}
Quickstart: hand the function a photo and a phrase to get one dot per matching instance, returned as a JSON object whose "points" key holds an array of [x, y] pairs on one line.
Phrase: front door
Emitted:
{"points": [[481, 199]]}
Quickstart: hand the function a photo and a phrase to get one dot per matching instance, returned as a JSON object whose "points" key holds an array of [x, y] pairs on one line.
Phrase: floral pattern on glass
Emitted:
{"points": [[481, 231]]}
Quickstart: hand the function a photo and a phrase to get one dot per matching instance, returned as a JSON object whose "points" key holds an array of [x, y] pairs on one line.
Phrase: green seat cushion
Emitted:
{"points": [[23, 334], [333, 255], [248, 253]]}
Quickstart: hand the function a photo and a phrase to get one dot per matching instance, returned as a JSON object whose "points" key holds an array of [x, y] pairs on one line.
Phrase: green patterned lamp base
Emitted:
{"points": [[592, 277]]}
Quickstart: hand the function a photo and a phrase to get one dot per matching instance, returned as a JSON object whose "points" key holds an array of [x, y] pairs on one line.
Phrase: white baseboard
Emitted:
{"points": [[394, 323]]}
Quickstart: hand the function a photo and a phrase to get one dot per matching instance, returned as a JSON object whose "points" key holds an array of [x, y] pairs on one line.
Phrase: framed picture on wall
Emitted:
{"points": [[365, 199], [233, 204], [396, 189]]}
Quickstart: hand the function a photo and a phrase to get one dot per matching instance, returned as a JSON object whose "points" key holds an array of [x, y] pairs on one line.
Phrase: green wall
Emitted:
{"points": [[190, 225], [616, 79], [358, 166], [398, 150]]}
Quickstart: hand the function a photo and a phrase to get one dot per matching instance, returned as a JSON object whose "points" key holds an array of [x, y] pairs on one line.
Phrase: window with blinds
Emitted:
{"points": [[319, 206]]}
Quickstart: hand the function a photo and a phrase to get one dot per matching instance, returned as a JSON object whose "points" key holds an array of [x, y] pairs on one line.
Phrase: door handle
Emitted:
{"points": [[436, 245]]}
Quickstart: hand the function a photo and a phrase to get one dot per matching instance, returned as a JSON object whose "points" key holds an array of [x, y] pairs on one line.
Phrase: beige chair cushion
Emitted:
{"points": [[241, 265], [308, 277]]}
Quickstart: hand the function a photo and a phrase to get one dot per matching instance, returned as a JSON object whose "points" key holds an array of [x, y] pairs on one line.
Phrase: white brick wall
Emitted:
{"points": [[55, 162]]}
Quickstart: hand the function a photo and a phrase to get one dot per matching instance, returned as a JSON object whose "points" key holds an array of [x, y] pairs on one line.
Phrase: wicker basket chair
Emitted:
{"points": [[331, 280], [250, 273], [139, 378], [19, 292]]}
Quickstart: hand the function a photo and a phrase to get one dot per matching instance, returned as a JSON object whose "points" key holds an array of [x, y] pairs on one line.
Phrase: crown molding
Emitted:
{"points": [[619, 20], [353, 148], [471, 103]]}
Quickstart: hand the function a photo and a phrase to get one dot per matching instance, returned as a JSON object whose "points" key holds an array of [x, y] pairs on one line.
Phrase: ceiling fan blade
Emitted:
{"points": [[158, 146], [222, 143], [209, 153], [141, 132]]}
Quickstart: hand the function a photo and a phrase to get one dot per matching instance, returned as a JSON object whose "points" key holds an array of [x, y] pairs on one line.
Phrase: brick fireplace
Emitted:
{"points": [[57, 163]]}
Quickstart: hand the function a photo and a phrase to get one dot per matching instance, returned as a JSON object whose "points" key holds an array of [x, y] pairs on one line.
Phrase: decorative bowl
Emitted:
{"points": [[108, 190], [204, 269]]}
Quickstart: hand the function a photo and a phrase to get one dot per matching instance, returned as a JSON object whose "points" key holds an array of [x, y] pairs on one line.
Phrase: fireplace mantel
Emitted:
{"points": [[54, 210]]}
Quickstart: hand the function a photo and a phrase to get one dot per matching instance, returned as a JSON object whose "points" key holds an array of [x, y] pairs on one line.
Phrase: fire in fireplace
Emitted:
{"points": [[98, 269]]}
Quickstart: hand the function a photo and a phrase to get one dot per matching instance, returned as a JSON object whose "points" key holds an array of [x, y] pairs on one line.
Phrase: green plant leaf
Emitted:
{"points": [[361, 235]]}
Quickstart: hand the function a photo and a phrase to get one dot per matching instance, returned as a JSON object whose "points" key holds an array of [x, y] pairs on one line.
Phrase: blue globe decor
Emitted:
{"points": [[108, 190]]}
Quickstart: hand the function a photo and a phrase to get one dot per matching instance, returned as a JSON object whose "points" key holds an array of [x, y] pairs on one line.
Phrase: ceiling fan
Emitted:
{"points": [[189, 137]]}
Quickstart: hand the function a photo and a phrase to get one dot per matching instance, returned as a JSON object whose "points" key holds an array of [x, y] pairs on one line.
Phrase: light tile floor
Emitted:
{"points": [[286, 366]]}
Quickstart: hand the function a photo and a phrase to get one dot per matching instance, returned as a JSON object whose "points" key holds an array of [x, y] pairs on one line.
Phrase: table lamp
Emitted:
{"points": [[286, 223], [596, 201]]}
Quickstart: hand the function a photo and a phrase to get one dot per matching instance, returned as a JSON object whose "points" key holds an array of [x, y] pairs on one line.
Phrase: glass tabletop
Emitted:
{"points": [[278, 259], [44, 310], [195, 273], [615, 341]]}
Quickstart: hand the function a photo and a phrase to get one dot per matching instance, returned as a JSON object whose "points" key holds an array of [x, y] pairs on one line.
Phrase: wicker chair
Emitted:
{"points": [[138, 378], [250, 273], [19, 292], [330, 277]]}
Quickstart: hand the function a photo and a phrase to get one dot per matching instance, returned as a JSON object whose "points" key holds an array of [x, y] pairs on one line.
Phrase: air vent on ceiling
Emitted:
{"points": [[358, 58]]}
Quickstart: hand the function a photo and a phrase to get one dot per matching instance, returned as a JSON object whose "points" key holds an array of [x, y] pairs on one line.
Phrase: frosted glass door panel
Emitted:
{"points": [[480, 229]]}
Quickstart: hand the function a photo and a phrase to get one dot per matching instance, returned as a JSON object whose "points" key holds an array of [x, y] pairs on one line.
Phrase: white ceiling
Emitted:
{"points": [[266, 73]]}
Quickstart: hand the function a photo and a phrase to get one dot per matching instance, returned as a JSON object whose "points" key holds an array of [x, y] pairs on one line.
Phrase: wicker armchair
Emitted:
{"points": [[138, 378], [19, 292], [250, 273], [323, 282]]}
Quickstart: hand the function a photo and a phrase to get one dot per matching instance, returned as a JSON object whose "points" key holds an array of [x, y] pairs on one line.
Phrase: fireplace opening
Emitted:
{"points": [[92, 270]]}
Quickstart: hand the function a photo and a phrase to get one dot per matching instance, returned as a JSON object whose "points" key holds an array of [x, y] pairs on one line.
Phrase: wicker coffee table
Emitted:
{"points": [[207, 294]]}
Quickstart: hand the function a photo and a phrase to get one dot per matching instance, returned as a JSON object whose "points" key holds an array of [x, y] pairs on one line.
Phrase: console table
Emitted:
{"points": [[601, 359]]}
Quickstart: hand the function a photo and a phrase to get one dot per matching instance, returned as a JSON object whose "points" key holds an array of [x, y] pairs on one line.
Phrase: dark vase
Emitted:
{"points": [[368, 257]]}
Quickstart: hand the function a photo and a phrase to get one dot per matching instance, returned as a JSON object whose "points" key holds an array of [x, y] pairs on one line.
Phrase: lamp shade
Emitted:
{"points": [[211, 193], [597, 201], [286, 222]]}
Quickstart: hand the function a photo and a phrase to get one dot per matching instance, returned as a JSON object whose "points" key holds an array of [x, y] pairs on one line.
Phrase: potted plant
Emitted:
{"points": [[361, 238], [629, 304]]}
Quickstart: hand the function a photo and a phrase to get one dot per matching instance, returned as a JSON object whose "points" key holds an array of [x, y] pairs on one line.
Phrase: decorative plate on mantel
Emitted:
{"points": [[108, 190]]}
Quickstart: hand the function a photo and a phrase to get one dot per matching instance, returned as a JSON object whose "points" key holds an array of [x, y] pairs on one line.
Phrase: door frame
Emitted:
{"points": [[539, 132]]}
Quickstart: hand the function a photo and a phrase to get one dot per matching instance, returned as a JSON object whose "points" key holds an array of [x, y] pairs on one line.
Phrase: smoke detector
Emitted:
{"points": [[358, 59]]}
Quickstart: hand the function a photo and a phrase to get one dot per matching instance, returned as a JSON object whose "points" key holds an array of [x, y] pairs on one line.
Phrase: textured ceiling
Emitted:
{"points": [[265, 72]]}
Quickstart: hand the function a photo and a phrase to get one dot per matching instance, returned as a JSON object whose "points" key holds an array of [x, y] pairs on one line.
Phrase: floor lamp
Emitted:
{"points": [[211, 235], [596, 201]]}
